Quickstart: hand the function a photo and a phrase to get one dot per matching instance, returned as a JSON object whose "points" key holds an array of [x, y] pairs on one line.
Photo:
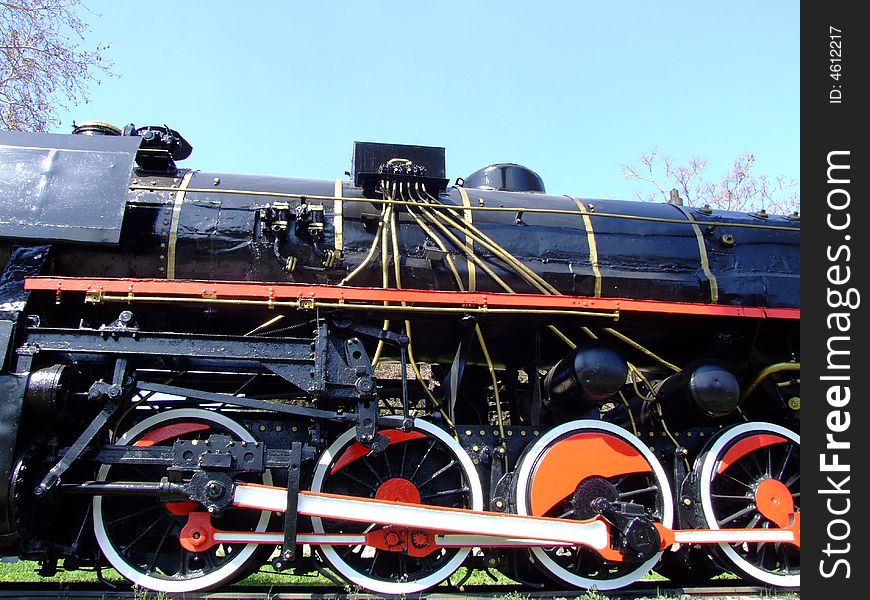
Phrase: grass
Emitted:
{"points": [[26, 571]]}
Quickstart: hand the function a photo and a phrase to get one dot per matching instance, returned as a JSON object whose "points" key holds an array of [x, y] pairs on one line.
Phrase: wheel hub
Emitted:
{"points": [[773, 500], [398, 489], [589, 490]]}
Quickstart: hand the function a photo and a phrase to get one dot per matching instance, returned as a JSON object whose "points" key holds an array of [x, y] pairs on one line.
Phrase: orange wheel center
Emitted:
{"points": [[398, 489], [774, 501], [181, 509]]}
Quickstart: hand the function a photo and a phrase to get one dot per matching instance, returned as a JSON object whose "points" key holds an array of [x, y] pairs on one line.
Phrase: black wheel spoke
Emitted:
{"points": [[403, 566], [371, 568], [783, 557], [438, 473], [785, 461], [730, 497], [739, 482], [183, 569], [578, 562], [422, 460], [144, 533], [377, 476], [419, 461], [582, 566], [402, 464], [757, 463], [762, 551], [443, 493], [156, 556], [210, 559], [631, 493], [745, 469], [364, 484], [141, 536], [733, 499], [132, 515], [736, 515], [385, 456]]}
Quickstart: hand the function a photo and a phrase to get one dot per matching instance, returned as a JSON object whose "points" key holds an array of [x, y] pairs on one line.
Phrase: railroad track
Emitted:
{"points": [[25, 591]]}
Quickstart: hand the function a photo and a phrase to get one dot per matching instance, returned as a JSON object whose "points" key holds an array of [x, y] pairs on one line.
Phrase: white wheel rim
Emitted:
{"points": [[710, 460], [397, 587], [160, 584], [523, 479]]}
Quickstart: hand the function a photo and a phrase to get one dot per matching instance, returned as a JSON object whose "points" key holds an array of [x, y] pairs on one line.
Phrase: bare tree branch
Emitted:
{"points": [[42, 68], [739, 189]]}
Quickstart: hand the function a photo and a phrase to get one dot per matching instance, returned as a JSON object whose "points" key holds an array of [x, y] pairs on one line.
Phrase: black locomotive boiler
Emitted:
{"points": [[374, 376]]}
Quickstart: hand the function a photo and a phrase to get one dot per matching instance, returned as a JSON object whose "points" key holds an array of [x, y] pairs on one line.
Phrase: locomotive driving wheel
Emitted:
{"points": [[572, 465], [421, 466], [750, 478], [140, 535]]}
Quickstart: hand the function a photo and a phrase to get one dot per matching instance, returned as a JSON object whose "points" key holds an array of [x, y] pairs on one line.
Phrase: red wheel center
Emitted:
{"points": [[181, 509], [398, 489], [773, 500]]}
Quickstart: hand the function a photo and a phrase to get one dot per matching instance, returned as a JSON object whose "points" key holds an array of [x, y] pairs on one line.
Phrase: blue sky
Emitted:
{"points": [[573, 90]]}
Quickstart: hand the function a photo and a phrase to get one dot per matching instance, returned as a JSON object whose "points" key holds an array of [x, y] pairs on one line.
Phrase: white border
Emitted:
{"points": [[710, 461], [161, 584], [523, 478], [397, 587]]}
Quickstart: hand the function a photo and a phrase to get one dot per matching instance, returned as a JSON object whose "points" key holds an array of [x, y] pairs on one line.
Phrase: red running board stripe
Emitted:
{"points": [[272, 292]]}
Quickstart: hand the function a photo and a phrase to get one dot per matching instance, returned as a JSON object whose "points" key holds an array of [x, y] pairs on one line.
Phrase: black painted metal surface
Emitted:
{"points": [[507, 177], [216, 234], [217, 226], [64, 187]]}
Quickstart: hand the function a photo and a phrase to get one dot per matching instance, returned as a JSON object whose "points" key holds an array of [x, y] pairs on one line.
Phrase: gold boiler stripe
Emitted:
{"points": [[469, 243], [450, 208], [593, 247], [173, 225], [702, 251], [338, 222]]}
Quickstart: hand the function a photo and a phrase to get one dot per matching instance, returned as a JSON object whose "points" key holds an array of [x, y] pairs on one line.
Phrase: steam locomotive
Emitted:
{"points": [[386, 377]]}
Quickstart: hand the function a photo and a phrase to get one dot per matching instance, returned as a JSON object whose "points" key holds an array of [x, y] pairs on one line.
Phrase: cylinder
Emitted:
{"points": [[587, 376], [709, 389]]}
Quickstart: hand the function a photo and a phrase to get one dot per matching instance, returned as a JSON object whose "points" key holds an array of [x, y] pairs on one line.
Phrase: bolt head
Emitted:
{"points": [[214, 489], [392, 538], [365, 385]]}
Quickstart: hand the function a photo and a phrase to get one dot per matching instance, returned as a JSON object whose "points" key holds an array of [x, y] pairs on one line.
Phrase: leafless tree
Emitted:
{"points": [[740, 188], [42, 67]]}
